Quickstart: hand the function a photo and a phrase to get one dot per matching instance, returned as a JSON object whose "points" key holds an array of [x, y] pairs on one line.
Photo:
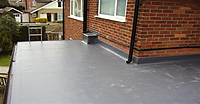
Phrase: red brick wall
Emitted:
{"points": [[161, 23], [120, 32], [73, 27], [169, 23], [27, 4]]}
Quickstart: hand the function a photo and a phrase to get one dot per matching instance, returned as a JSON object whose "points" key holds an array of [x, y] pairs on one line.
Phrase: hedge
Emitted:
{"points": [[23, 34], [41, 20]]}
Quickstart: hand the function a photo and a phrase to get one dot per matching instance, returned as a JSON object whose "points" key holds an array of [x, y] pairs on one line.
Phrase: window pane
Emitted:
{"points": [[121, 7], [59, 3], [71, 7], [77, 8], [107, 7]]}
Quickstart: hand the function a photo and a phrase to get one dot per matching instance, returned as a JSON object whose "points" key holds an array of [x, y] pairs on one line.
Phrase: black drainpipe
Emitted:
{"points": [[63, 19], [85, 17], [133, 32]]}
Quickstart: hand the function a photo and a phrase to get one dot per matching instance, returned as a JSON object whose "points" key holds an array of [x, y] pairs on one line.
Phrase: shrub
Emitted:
{"points": [[8, 24], [23, 34], [41, 20], [5, 42], [8, 28], [8, 13], [58, 21], [4, 3]]}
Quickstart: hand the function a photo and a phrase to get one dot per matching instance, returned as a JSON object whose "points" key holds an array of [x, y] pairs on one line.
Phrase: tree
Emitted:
{"points": [[4, 3], [8, 13], [5, 42], [18, 7], [8, 28]]}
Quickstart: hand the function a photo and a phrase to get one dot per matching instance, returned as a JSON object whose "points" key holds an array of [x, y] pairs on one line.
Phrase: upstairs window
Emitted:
{"points": [[59, 3], [29, 5], [76, 9], [33, 2], [113, 9]]}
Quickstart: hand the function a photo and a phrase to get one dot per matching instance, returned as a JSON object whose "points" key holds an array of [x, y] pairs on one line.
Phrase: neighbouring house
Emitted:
{"points": [[16, 13], [33, 4], [164, 27], [30, 4], [51, 10], [17, 2]]}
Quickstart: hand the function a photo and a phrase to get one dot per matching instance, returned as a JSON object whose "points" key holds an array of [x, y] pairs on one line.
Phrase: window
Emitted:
{"points": [[33, 2], [112, 9], [34, 15], [59, 16], [76, 9], [59, 3], [16, 15], [29, 4]]}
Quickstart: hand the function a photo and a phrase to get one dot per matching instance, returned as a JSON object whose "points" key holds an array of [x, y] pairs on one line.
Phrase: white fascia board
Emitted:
{"points": [[43, 7], [15, 10]]}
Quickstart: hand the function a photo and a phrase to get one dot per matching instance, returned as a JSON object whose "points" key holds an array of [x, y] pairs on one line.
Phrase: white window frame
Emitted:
{"points": [[73, 16], [59, 16], [29, 5], [109, 17], [33, 3]]}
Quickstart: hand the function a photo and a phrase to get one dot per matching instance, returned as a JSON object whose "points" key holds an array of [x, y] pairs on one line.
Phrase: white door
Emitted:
{"points": [[17, 17], [43, 15], [25, 17]]}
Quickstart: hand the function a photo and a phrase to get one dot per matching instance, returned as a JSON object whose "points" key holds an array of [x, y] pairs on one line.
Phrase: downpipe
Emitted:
{"points": [[130, 57]]}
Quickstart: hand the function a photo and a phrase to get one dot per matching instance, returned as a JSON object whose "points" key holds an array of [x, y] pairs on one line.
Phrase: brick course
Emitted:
{"points": [[73, 27], [161, 24]]}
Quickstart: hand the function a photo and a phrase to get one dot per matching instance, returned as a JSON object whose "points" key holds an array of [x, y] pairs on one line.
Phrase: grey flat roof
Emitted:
{"points": [[71, 72]]}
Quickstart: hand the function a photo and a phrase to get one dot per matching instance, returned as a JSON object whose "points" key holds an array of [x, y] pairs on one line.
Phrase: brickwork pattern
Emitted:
{"points": [[120, 32], [27, 4], [73, 27], [161, 23], [169, 23]]}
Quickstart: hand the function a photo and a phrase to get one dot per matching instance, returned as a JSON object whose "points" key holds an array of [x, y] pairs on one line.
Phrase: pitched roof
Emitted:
{"points": [[44, 1], [9, 9], [45, 5]]}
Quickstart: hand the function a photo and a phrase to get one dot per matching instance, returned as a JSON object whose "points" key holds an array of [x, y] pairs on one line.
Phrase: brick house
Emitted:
{"points": [[30, 4], [164, 27], [52, 10], [16, 13]]}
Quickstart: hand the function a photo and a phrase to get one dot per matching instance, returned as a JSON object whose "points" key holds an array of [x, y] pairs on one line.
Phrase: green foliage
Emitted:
{"points": [[5, 59], [58, 21], [5, 42], [4, 3], [18, 7], [8, 13], [8, 24], [23, 34], [41, 20], [8, 28]]}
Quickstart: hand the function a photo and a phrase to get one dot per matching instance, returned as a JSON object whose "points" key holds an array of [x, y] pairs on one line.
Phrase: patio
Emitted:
{"points": [[71, 72]]}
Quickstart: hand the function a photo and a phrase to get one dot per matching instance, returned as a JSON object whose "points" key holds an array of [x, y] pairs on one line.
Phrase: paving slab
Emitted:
{"points": [[4, 69], [71, 72]]}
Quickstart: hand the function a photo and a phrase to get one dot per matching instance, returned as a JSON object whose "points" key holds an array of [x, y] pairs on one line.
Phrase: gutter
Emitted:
{"points": [[7, 91], [133, 32], [63, 19], [85, 17]]}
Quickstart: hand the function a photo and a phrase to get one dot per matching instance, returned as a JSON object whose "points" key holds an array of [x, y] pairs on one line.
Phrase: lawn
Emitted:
{"points": [[5, 60]]}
